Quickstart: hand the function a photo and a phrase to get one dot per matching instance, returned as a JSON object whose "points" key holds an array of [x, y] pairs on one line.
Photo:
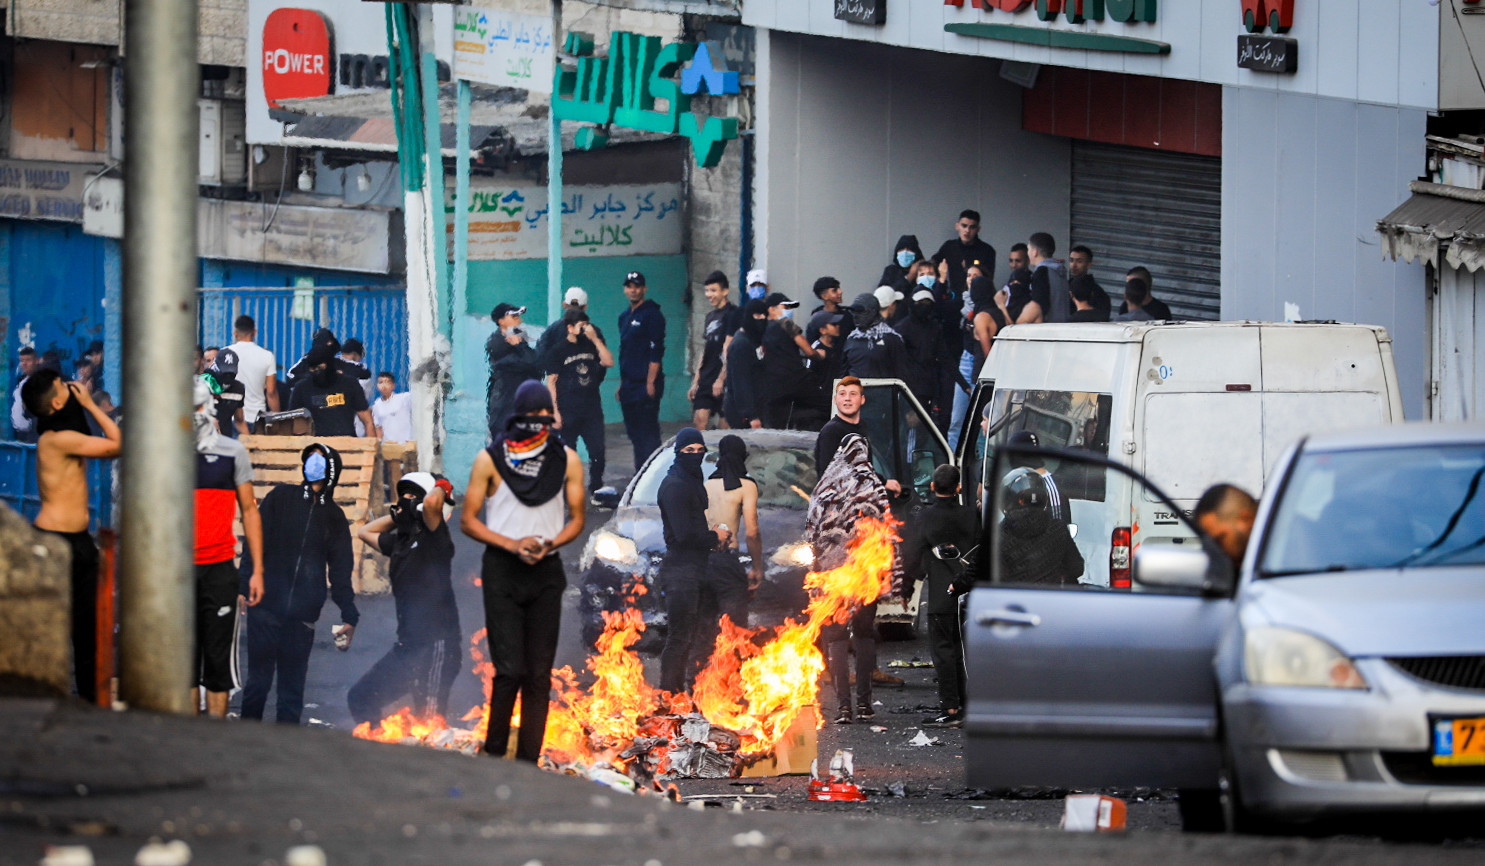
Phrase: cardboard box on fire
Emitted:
{"points": [[794, 752]]}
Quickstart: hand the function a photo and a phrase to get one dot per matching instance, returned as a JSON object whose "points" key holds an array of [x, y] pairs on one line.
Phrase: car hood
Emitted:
{"points": [[779, 526], [1417, 612]]}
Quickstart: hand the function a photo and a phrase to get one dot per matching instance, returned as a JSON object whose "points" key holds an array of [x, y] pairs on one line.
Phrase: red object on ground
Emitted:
{"points": [[835, 792], [103, 672]]}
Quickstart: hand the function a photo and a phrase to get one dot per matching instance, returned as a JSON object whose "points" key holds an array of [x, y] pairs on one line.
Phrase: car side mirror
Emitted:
{"points": [[1196, 569]]}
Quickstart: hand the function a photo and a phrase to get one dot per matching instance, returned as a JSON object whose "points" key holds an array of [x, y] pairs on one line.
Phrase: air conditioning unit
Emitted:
{"points": [[223, 142]]}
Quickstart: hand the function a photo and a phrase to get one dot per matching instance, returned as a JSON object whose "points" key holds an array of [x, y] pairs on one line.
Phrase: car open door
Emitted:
{"points": [[969, 440], [905, 444], [1071, 684]]}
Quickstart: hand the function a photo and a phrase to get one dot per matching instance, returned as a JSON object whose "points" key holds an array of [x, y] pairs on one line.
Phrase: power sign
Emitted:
{"points": [[297, 55]]}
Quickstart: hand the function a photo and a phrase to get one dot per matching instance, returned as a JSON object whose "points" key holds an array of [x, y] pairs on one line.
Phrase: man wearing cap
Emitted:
{"points": [[828, 290], [575, 370], [641, 382], [756, 285], [710, 378], [425, 659], [828, 365], [785, 351], [230, 418], [335, 400], [873, 349], [512, 361], [555, 334]]}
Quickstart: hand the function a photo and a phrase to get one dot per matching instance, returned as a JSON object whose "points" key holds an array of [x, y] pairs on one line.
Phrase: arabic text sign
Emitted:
{"points": [[503, 48], [1268, 53], [510, 222]]}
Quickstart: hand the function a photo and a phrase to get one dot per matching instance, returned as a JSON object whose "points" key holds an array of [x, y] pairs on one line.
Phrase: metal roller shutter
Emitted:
{"points": [[1163, 210]]}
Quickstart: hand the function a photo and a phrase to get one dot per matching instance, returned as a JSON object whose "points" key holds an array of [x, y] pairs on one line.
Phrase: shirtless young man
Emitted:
{"points": [[732, 501], [61, 410]]}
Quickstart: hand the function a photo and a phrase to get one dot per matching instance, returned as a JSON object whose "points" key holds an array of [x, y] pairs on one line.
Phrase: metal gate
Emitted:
{"points": [[1458, 356], [1163, 210], [288, 318]]}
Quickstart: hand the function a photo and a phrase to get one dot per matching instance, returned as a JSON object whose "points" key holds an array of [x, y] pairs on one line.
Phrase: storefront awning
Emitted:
{"points": [[1437, 217]]}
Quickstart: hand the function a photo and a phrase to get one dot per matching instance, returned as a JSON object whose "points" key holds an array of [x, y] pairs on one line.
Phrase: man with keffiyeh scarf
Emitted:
{"points": [[513, 506]]}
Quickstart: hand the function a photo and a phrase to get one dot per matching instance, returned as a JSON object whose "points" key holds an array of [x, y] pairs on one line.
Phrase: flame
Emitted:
{"points": [[756, 681]]}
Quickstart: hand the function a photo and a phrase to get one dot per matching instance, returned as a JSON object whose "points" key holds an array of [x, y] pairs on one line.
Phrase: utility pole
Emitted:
{"points": [[156, 571], [554, 180]]}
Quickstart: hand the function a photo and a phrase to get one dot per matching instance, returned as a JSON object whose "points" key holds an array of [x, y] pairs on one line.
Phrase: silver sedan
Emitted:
{"points": [[1339, 669]]}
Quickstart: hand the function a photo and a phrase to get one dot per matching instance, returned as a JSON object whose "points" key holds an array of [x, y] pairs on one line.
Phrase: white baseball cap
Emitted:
{"points": [[887, 295], [576, 295], [757, 276], [922, 295]]}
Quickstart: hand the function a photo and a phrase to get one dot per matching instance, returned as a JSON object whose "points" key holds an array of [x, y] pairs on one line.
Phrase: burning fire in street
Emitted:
{"points": [[753, 688]]}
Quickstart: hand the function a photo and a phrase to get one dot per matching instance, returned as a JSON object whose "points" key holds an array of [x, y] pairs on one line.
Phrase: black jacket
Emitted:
{"points": [[943, 522], [828, 442], [509, 367], [895, 275], [958, 253], [740, 391], [1036, 548], [682, 503], [306, 540], [925, 354]]}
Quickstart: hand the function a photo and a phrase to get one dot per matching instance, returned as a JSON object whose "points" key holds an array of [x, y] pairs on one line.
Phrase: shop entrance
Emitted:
{"points": [[1160, 209]]}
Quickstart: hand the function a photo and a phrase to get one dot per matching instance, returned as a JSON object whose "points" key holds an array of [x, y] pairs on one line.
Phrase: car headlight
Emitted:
{"points": [[615, 548], [799, 554], [1286, 657]]}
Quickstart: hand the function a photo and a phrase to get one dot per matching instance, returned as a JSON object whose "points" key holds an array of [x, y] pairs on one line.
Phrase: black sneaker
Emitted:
{"points": [[864, 711], [844, 716], [951, 719]]}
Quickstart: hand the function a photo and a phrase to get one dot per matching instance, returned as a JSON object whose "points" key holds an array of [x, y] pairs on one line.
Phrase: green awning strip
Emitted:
{"points": [[1051, 38]]}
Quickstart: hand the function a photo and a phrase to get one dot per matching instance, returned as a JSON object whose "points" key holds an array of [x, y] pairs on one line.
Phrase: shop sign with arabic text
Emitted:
{"points": [[510, 222]]}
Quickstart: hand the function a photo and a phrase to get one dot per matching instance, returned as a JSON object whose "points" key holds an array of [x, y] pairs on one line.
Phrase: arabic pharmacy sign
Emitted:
{"points": [[503, 48], [510, 222], [623, 88]]}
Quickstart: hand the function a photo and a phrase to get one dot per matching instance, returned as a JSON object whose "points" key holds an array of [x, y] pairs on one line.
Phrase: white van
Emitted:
{"points": [[1188, 404]]}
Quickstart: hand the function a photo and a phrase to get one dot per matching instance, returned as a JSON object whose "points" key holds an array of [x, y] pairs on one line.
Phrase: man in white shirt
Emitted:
{"points": [[392, 413], [257, 370], [21, 421]]}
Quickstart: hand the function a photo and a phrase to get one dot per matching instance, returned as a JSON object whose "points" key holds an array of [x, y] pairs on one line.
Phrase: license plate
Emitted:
{"points": [[1458, 742]]}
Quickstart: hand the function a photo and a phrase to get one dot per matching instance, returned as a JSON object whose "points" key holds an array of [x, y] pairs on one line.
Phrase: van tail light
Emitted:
{"points": [[1119, 559]]}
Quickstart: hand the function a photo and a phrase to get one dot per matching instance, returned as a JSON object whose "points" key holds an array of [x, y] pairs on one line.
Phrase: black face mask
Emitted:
{"points": [[405, 514], [691, 463], [72, 416], [323, 377], [524, 427], [922, 310]]}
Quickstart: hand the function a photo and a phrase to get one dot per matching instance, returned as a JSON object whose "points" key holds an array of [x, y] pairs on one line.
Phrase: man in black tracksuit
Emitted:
{"points": [[512, 361], [641, 380], [945, 524], [689, 542], [306, 539], [426, 657]]}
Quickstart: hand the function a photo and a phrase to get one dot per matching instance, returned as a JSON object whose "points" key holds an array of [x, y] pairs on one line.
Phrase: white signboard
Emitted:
{"points": [[503, 48], [510, 222], [357, 52], [43, 190]]}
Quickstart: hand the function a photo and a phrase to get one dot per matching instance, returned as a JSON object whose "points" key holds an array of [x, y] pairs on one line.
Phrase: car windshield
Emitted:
{"points": [[1381, 508], [785, 476]]}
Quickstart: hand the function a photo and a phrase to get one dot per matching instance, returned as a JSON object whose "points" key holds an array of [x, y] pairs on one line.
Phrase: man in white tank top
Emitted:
{"points": [[519, 484]]}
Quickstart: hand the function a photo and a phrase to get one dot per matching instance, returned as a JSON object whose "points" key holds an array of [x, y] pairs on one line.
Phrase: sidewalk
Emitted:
{"points": [[243, 793]]}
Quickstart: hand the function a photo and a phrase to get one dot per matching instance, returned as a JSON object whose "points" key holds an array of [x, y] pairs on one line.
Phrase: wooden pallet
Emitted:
{"points": [[358, 492]]}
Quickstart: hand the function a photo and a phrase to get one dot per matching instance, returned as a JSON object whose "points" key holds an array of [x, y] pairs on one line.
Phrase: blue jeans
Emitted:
{"points": [[961, 399]]}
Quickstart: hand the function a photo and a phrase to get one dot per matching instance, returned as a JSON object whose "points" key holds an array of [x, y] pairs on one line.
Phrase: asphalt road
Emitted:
{"points": [[922, 784]]}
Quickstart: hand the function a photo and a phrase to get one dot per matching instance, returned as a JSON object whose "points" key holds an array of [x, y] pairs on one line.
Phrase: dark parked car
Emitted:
{"points": [[631, 545]]}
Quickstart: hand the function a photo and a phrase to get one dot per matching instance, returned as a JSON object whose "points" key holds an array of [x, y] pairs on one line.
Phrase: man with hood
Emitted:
{"points": [[965, 247], [641, 381], [333, 397], [64, 442], [732, 501], [741, 404], [900, 272], [848, 490], [309, 545], [514, 506], [224, 485], [425, 659], [924, 351], [689, 542], [324, 341], [936, 547], [1035, 546], [785, 354], [873, 349], [230, 418], [512, 361], [1050, 301]]}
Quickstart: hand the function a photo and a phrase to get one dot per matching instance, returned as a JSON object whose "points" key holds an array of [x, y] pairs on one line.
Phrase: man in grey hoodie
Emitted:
{"points": [[1049, 298]]}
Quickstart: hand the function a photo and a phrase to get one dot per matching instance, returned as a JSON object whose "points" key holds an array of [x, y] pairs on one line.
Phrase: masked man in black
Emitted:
{"points": [[307, 546], [689, 542], [937, 544], [425, 659]]}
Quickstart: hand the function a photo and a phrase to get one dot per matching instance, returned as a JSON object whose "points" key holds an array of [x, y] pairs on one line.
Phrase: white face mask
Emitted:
{"points": [[786, 314], [927, 281], [513, 331]]}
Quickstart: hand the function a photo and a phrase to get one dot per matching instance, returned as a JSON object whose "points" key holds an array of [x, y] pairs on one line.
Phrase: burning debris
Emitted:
{"points": [[756, 688]]}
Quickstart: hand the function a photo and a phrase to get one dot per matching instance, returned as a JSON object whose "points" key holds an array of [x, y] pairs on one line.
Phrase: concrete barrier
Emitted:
{"points": [[35, 609]]}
